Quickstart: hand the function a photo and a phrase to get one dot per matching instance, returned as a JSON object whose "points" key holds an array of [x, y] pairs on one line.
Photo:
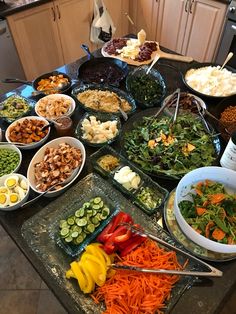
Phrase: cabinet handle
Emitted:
{"points": [[186, 6], [58, 12], [54, 15], [191, 5]]}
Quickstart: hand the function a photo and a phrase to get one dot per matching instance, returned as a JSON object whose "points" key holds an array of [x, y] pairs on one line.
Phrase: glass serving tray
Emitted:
{"points": [[36, 233], [145, 182]]}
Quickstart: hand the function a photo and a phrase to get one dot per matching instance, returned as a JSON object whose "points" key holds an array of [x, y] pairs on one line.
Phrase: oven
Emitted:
{"points": [[228, 40]]}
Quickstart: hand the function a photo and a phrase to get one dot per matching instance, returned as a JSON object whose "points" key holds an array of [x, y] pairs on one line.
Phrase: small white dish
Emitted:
{"points": [[14, 148], [31, 145], [24, 199], [49, 112], [40, 155]]}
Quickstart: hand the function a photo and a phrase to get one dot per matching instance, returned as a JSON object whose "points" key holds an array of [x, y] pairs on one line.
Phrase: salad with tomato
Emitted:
{"points": [[212, 212]]}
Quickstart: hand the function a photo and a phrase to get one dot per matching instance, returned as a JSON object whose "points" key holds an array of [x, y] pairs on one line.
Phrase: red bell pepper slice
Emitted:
{"points": [[131, 244], [111, 227], [124, 237]]}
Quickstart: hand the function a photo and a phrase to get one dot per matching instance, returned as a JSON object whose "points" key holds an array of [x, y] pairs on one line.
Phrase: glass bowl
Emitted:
{"points": [[98, 134], [148, 90], [118, 94]]}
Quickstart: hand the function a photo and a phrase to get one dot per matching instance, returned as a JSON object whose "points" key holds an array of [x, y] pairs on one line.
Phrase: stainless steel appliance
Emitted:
{"points": [[10, 65], [228, 40]]}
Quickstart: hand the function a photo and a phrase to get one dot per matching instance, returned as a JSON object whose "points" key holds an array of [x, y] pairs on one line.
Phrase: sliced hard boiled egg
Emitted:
{"points": [[21, 192], [24, 184], [13, 199], [3, 189], [11, 181], [4, 200]]}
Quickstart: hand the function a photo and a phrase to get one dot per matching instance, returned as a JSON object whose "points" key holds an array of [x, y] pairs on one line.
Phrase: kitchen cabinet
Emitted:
{"points": [[191, 27], [145, 14], [117, 10], [50, 35], [37, 39], [73, 21]]}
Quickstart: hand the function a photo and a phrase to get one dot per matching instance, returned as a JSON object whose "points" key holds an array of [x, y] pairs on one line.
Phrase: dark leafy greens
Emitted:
{"points": [[159, 149], [212, 212]]}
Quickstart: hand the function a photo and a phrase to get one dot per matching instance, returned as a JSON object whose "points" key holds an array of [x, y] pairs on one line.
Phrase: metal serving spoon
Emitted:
{"points": [[73, 174], [13, 143]]}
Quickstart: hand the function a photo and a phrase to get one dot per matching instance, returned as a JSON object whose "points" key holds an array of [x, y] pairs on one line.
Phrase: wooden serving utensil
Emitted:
{"points": [[172, 56]]}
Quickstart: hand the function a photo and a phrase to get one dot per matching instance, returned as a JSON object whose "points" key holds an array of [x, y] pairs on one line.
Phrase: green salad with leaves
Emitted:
{"points": [[161, 148], [212, 212]]}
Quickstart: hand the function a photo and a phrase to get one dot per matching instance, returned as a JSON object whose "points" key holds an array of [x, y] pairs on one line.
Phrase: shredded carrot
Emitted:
{"points": [[200, 211], [218, 234], [136, 292]]}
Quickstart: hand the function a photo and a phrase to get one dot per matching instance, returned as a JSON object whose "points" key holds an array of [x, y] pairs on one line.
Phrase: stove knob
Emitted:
{"points": [[232, 9]]}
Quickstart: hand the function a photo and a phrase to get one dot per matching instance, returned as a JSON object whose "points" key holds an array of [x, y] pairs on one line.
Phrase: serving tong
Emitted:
{"points": [[202, 112], [214, 272]]}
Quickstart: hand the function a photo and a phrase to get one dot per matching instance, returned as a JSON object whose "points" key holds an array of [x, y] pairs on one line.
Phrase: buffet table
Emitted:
{"points": [[206, 296]]}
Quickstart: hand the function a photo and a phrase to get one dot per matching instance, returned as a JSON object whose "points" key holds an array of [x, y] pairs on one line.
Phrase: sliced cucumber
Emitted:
{"points": [[97, 200], [84, 221]]}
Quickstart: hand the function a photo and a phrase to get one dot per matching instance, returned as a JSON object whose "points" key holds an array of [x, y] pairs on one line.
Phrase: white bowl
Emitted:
{"points": [[12, 147], [217, 174], [54, 97], [21, 202], [34, 144], [39, 156]]}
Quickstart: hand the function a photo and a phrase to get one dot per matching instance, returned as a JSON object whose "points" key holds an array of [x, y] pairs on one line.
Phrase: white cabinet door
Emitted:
{"points": [[172, 22], [117, 10], [73, 19], [204, 26], [145, 16], [37, 39]]}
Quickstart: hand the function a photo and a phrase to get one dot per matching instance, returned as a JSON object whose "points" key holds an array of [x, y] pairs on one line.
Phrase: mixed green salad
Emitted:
{"points": [[212, 212], [162, 149]]}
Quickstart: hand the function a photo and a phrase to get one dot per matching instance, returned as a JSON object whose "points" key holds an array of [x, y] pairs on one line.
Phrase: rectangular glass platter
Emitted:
{"points": [[36, 232]]}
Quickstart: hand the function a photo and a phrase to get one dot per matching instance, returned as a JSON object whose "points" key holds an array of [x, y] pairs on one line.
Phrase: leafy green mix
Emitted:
{"points": [[159, 148], [212, 212]]}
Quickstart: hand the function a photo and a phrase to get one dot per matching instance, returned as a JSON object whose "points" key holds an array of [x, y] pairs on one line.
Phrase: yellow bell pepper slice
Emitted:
{"points": [[82, 279], [90, 282], [96, 271], [95, 259], [70, 274], [97, 246]]}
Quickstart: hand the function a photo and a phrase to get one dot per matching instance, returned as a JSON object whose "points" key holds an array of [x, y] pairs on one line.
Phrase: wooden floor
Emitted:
{"points": [[23, 292]]}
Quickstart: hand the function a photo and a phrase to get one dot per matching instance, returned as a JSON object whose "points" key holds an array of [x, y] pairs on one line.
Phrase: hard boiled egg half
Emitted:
{"points": [[13, 191]]}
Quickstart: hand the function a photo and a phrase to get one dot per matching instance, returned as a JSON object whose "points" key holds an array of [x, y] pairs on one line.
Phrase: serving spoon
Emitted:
{"points": [[157, 57], [230, 55], [73, 174]]}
